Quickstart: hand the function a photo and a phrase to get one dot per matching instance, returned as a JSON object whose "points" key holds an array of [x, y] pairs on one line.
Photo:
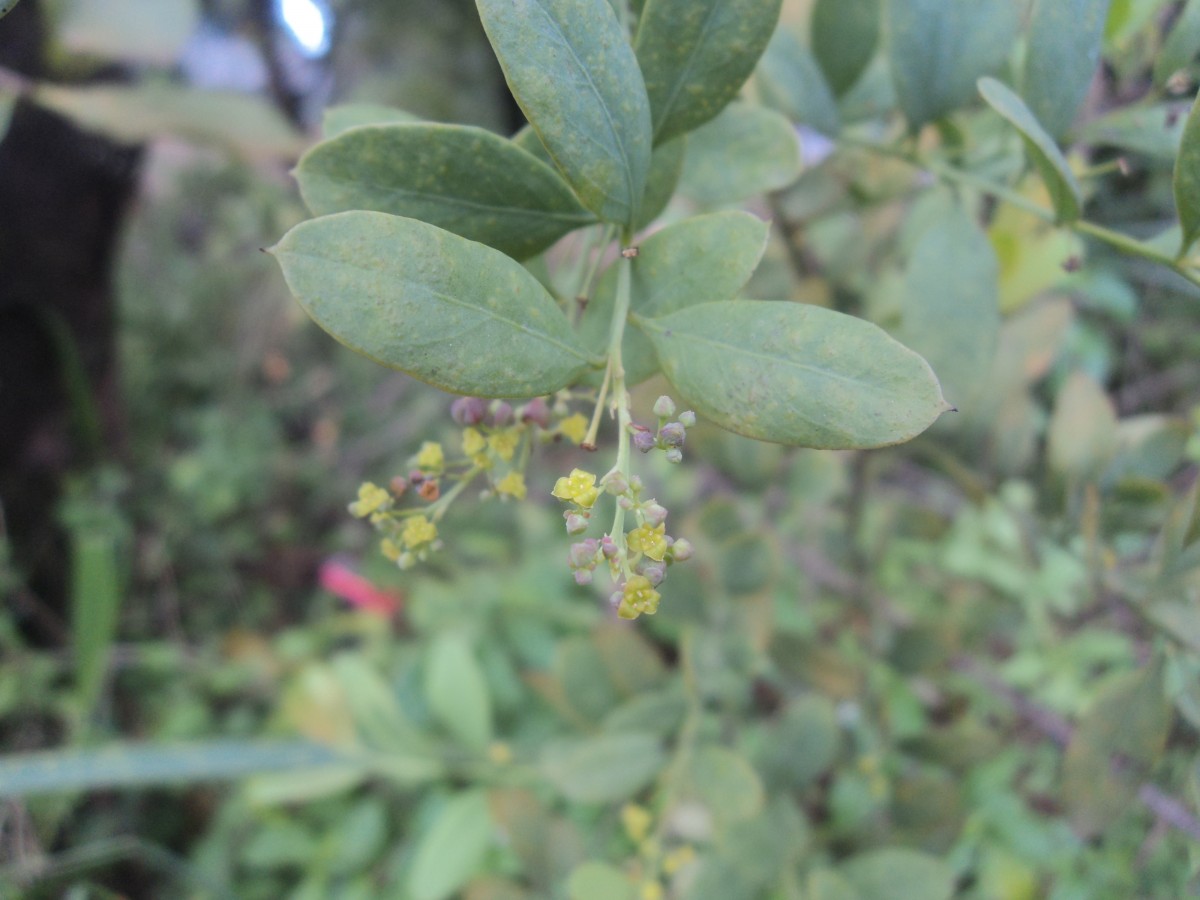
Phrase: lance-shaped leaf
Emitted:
{"points": [[699, 260], [1050, 163], [1064, 51], [696, 55], [574, 75], [1187, 180], [463, 179], [796, 374], [845, 34], [456, 314], [939, 48], [791, 80]]}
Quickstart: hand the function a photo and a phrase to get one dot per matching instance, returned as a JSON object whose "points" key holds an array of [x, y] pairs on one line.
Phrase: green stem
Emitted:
{"points": [[439, 506], [620, 394]]}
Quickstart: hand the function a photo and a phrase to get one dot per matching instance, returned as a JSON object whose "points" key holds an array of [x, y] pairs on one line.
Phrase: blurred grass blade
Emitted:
{"points": [[96, 601], [145, 765]]}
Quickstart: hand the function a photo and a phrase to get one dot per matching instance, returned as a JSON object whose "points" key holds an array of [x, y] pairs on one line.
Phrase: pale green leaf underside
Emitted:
{"points": [[938, 49], [951, 313], [1049, 160], [796, 374], [745, 151], [1064, 50], [1187, 180], [699, 260], [463, 179], [574, 75], [696, 55], [448, 311]]}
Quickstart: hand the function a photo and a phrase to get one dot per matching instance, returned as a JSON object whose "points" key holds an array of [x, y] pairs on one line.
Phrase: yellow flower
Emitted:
{"points": [[430, 458], [512, 485], [504, 443], [636, 820], [578, 487], [649, 540], [574, 428], [652, 890], [473, 441], [390, 549], [371, 498], [418, 531], [677, 859], [638, 597]]}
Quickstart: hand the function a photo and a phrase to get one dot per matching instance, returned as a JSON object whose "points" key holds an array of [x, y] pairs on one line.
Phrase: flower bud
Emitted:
{"points": [[672, 434], [664, 407], [583, 554], [398, 486], [468, 410], [429, 490], [643, 441], [576, 524], [583, 576], [681, 550], [614, 483], [654, 512], [655, 572], [674, 455], [502, 413], [687, 418], [608, 547], [625, 503], [537, 412]]}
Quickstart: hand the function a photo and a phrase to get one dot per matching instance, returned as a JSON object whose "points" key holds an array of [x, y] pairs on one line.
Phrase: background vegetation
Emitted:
{"points": [[968, 666]]}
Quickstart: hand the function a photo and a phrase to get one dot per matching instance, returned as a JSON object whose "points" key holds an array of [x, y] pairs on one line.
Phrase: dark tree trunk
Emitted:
{"points": [[63, 194]]}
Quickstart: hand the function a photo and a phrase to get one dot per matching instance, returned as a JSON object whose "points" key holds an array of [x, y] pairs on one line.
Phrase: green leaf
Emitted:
{"points": [[457, 692], [127, 30], [576, 78], [725, 782], [1064, 52], [602, 769], [1050, 163], [666, 168], [340, 119], [451, 312], [243, 124], [796, 374], [148, 765], [1083, 429], [1187, 181], [96, 603], [1155, 131], [940, 48], [1181, 46], [701, 259], [696, 55], [951, 313], [744, 152], [826, 884], [449, 854], [1129, 719], [463, 179], [845, 34], [600, 881], [790, 80], [895, 874]]}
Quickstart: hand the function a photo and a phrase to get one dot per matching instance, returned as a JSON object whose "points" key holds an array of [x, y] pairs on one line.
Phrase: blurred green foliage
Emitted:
{"points": [[967, 667]]}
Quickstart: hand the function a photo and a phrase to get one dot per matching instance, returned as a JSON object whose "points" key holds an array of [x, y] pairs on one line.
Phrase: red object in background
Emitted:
{"points": [[337, 578]]}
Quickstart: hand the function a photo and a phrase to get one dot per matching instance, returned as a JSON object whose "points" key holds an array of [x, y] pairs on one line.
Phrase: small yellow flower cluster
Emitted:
{"points": [[496, 440], [371, 499]]}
